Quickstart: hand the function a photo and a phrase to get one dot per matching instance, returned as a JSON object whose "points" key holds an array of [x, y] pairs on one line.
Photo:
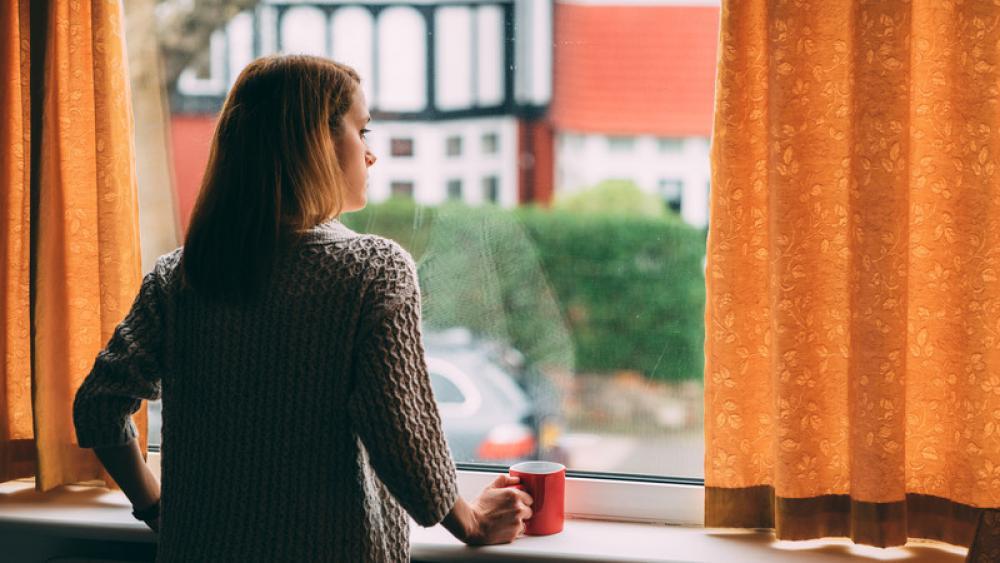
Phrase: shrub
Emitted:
{"points": [[587, 292], [615, 197]]}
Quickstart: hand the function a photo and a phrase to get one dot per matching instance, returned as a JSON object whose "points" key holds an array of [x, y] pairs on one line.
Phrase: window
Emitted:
{"points": [[611, 351], [670, 144], [491, 189], [621, 144], [672, 191], [453, 146], [490, 143], [445, 390], [401, 147], [401, 189], [454, 190]]}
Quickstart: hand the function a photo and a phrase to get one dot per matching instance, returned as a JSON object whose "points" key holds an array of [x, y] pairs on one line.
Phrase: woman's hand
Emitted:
{"points": [[500, 512], [497, 516]]}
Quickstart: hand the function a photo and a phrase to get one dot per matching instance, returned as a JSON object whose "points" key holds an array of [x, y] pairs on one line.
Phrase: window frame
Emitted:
{"points": [[616, 497], [620, 497]]}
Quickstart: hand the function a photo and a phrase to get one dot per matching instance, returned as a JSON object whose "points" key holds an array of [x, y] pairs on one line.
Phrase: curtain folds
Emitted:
{"points": [[16, 444], [84, 251], [853, 340]]}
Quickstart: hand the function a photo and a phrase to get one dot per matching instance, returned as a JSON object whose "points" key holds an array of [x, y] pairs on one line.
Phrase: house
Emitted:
{"points": [[633, 98], [456, 92]]}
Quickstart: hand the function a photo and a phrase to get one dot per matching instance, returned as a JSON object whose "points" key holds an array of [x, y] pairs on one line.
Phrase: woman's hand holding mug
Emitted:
{"points": [[500, 512]]}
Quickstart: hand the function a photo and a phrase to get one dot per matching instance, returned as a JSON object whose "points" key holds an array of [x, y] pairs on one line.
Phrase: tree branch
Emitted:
{"points": [[185, 29]]}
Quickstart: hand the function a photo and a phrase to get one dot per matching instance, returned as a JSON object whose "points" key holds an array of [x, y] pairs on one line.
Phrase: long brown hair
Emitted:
{"points": [[272, 171]]}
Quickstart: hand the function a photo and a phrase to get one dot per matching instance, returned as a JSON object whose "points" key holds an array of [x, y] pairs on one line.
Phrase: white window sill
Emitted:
{"points": [[93, 513]]}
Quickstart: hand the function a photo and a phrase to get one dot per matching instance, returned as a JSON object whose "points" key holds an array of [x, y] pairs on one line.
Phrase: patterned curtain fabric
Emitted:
{"points": [[16, 446], [85, 251], [853, 319]]}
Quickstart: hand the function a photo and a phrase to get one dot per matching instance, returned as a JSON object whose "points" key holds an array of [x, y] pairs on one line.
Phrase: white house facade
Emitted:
{"points": [[448, 83], [676, 169]]}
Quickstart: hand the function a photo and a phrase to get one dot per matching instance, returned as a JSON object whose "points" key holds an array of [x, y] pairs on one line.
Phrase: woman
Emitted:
{"points": [[298, 419]]}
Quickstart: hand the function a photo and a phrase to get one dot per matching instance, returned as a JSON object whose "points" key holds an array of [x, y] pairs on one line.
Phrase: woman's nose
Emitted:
{"points": [[370, 159]]}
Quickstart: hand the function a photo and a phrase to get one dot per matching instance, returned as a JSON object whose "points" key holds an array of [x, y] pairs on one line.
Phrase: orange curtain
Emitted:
{"points": [[16, 446], [853, 318], [85, 251]]}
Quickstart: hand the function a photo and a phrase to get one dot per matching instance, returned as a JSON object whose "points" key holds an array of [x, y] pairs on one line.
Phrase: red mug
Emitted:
{"points": [[545, 481]]}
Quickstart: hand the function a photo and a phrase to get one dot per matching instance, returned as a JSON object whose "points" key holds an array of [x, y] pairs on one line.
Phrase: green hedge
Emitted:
{"points": [[584, 292]]}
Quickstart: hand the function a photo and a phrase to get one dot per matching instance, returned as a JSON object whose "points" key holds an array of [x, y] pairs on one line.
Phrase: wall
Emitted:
{"points": [[584, 160]]}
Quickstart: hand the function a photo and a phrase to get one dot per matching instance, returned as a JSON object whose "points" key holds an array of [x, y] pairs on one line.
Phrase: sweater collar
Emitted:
{"points": [[331, 230]]}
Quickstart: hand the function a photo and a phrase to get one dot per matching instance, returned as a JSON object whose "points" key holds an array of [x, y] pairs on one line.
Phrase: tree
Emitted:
{"points": [[158, 229], [617, 197], [183, 28], [164, 38]]}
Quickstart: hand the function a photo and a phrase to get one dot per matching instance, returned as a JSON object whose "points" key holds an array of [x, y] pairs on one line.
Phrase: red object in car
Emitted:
{"points": [[508, 441]]}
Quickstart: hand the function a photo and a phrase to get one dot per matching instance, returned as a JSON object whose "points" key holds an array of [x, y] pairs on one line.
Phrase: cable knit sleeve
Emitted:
{"points": [[126, 371], [392, 404]]}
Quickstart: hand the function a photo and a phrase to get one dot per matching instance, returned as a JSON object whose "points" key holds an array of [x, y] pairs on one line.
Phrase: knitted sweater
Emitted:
{"points": [[298, 427]]}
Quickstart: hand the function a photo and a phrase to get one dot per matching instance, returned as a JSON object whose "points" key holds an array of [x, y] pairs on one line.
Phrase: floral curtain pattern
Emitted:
{"points": [[85, 249], [853, 319], [16, 447]]}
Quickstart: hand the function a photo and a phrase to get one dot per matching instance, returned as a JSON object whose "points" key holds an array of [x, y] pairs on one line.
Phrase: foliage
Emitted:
{"points": [[588, 292], [615, 197]]}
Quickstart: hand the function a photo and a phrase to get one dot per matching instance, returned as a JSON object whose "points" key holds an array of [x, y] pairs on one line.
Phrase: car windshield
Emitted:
{"points": [[477, 363]]}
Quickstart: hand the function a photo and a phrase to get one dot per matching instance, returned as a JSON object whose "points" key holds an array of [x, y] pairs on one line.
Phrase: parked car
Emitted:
{"points": [[493, 409]]}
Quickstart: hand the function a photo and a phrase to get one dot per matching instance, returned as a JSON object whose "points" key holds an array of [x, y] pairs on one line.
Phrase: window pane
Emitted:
{"points": [[445, 391], [455, 190], [490, 143], [670, 145], [559, 226], [401, 189], [621, 144], [401, 147], [672, 191], [453, 146], [491, 189]]}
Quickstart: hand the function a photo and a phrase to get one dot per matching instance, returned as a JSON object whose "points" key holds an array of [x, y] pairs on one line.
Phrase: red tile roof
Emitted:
{"points": [[634, 69]]}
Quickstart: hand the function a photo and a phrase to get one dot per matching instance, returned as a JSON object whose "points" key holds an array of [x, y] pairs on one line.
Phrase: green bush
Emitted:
{"points": [[588, 292], [615, 197]]}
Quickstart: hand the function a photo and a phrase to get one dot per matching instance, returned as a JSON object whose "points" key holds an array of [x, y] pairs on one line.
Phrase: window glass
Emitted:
{"points": [[445, 391], [453, 146], [401, 189], [670, 145], [672, 191], [490, 143], [559, 238], [400, 147], [455, 190], [621, 144], [491, 189]]}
